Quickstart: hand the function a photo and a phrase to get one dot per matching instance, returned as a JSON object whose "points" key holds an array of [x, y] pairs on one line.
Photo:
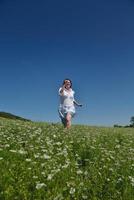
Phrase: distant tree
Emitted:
{"points": [[132, 121], [117, 126]]}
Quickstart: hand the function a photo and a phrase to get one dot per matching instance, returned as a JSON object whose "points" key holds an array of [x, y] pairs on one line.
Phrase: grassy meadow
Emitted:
{"points": [[42, 161]]}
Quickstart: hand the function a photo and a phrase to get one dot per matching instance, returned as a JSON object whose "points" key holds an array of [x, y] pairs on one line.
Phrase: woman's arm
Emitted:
{"points": [[62, 90], [76, 103]]}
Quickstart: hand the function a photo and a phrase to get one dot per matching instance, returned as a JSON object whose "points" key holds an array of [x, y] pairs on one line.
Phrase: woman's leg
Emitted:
{"points": [[62, 117], [63, 121], [68, 120]]}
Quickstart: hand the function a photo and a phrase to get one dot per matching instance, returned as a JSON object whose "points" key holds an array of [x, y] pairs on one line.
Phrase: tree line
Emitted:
{"points": [[126, 126]]}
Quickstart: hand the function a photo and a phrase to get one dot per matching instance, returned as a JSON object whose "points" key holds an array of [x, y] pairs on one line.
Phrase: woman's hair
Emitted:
{"points": [[67, 79]]}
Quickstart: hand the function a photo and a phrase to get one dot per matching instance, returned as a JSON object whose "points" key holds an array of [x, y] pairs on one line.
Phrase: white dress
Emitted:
{"points": [[66, 103]]}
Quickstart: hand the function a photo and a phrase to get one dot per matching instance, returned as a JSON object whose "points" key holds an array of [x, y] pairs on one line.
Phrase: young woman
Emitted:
{"points": [[67, 103]]}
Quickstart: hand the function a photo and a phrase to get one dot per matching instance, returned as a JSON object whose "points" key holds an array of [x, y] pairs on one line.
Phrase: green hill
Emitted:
{"points": [[45, 161], [12, 116]]}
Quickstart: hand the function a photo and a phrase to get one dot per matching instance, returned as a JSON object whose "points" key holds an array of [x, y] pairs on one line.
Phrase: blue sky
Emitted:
{"points": [[89, 41]]}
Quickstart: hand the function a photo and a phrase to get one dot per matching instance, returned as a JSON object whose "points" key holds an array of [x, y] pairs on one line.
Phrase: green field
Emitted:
{"points": [[42, 161]]}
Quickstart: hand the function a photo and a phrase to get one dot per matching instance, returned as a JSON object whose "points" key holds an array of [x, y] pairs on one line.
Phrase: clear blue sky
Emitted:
{"points": [[89, 41]]}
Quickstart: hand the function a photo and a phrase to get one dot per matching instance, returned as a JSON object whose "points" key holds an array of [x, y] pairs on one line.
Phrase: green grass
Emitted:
{"points": [[41, 161]]}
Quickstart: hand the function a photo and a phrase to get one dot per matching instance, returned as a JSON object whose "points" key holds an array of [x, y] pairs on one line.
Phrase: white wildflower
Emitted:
{"points": [[81, 184], [65, 166], [86, 173], [84, 197], [119, 180], [44, 150], [42, 164], [34, 163], [79, 172], [28, 160], [40, 185], [72, 190], [58, 143], [54, 136], [117, 146], [13, 151], [45, 156], [99, 173], [132, 180], [111, 169], [35, 177], [36, 155], [43, 173], [22, 152], [50, 176]]}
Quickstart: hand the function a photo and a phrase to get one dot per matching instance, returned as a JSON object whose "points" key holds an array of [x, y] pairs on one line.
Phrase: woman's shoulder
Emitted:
{"points": [[72, 90]]}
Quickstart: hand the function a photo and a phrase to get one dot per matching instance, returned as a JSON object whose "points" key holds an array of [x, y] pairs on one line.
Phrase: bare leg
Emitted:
{"points": [[68, 120]]}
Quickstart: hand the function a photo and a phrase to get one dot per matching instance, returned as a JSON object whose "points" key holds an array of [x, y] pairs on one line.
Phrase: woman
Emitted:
{"points": [[67, 103]]}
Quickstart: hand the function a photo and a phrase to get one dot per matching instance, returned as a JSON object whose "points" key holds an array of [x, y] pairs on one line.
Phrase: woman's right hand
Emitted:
{"points": [[63, 87]]}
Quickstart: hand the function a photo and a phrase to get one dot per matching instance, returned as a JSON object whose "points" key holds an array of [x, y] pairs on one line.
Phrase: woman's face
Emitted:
{"points": [[67, 84]]}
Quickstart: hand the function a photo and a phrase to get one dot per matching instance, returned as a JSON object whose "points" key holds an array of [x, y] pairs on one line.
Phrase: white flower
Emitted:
{"points": [[132, 180], [65, 153], [72, 190], [40, 185], [1, 158], [58, 143], [35, 177], [79, 172], [84, 197], [99, 173], [45, 156], [65, 166], [7, 145], [119, 180], [111, 169], [43, 173], [36, 155], [117, 146], [85, 173], [42, 164], [50, 176], [22, 152], [34, 163], [81, 184], [44, 150], [13, 151], [28, 160]]}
